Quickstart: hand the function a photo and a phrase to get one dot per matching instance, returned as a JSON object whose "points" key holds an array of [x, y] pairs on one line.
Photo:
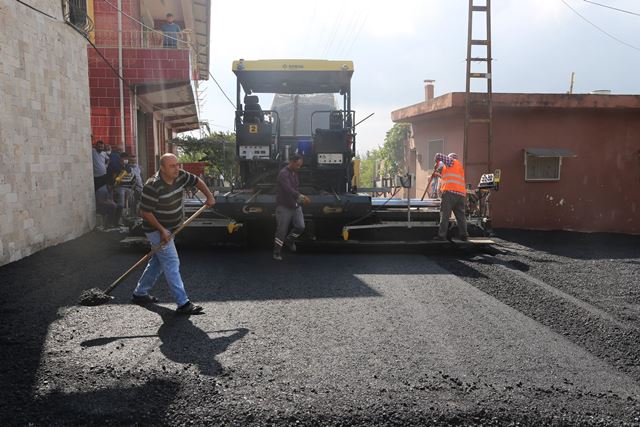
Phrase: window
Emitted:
{"points": [[75, 13], [434, 147], [544, 164]]}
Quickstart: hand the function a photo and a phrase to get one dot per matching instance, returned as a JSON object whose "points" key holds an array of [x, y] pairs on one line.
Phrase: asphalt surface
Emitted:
{"points": [[543, 330]]}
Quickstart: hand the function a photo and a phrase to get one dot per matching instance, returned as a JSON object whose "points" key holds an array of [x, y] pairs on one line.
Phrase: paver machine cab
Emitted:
{"points": [[304, 119]]}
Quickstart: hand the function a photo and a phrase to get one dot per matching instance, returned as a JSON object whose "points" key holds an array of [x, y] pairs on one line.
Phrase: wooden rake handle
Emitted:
{"points": [[153, 251]]}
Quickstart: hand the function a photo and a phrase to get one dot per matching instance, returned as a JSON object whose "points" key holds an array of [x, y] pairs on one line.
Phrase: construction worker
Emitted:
{"points": [[288, 207], [161, 211], [454, 195]]}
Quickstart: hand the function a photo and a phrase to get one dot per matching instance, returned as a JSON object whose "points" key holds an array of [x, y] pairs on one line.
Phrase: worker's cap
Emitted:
{"points": [[452, 155]]}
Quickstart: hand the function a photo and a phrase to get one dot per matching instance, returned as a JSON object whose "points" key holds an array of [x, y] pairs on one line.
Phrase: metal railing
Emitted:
{"points": [[144, 39], [75, 13]]}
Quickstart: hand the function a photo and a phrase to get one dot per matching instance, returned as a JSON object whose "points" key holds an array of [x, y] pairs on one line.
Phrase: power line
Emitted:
{"points": [[37, 10], [611, 7], [222, 90], [364, 21], [600, 29], [99, 53]]}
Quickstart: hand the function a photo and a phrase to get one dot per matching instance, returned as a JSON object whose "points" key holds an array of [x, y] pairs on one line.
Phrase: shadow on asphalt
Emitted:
{"points": [[183, 342], [32, 292], [142, 405]]}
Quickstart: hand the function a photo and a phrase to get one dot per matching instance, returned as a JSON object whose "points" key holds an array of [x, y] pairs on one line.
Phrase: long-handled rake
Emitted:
{"points": [[95, 296]]}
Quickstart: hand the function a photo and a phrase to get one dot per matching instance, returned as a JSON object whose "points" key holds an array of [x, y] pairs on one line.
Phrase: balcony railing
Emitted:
{"points": [[144, 39]]}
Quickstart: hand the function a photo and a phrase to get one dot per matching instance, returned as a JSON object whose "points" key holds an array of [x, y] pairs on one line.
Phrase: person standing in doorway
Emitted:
{"points": [[454, 195], [288, 207], [161, 211]]}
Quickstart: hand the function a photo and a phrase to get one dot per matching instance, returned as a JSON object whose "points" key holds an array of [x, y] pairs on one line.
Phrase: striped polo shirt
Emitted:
{"points": [[164, 201]]}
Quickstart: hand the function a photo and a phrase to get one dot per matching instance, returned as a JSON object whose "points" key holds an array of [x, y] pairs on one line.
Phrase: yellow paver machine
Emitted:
{"points": [[311, 115]]}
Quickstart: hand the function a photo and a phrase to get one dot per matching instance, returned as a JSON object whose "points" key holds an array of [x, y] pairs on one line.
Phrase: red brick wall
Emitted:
{"points": [[104, 93], [140, 65]]}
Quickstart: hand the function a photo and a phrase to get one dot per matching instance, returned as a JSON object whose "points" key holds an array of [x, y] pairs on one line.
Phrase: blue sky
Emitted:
{"points": [[396, 45]]}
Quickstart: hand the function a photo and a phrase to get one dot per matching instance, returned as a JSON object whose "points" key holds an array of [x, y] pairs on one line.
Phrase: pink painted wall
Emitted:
{"points": [[599, 190]]}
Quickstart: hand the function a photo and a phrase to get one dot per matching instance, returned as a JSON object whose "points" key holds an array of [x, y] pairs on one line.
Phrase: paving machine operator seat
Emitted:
{"points": [[252, 110]]}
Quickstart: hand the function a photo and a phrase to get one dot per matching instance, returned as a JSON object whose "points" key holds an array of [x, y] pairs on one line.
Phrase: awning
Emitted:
{"points": [[173, 101], [549, 152]]}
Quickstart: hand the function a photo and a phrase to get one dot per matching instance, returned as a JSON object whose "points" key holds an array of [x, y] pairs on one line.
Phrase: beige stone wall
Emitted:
{"points": [[46, 179]]}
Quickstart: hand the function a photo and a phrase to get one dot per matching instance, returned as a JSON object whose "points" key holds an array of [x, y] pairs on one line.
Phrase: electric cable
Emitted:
{"points": [[37, 10], [364, 21], [222, 90], [600, 29], [99, 53], [611, 7]]}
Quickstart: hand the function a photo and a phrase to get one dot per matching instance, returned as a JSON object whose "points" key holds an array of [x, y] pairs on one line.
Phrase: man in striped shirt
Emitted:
{"points": [[161, 211]]}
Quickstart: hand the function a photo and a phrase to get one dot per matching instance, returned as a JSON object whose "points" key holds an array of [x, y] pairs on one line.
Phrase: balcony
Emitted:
{"points": [[145, 56], [141, 29]]}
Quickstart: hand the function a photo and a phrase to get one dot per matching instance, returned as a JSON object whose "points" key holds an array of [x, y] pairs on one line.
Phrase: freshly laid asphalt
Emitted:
{"points": [[543, 330]]}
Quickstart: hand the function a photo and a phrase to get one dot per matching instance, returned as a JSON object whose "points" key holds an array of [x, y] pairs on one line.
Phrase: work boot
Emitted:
{"points": [[291, 245], [277, 256], [189, 308], [143, 299]]}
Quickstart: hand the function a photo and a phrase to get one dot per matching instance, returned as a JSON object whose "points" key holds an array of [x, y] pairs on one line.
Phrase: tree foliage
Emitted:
{"points": [[216, 148], [392, 151], [368, 167], [385, 161]]}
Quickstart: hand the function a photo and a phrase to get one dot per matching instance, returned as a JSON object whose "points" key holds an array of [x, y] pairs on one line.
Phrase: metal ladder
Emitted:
{"points": [[478, 105]]}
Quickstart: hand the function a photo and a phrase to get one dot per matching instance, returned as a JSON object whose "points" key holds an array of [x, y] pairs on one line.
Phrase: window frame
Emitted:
{"points": [[526, 165]]}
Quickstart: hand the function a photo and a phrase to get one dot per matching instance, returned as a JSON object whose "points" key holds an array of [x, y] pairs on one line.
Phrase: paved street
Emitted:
{"points": [[331, 338]]}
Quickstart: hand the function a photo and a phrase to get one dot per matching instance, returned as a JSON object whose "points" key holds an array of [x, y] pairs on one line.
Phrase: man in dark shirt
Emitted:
{"points": [[288, 209], [161, 211]]}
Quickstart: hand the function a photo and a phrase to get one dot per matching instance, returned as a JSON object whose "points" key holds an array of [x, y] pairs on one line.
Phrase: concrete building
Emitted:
{"points": [[568, 162], [45, 160], [157, 98]]}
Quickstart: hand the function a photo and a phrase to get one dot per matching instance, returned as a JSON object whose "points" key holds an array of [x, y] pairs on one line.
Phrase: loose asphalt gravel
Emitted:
{"points": [[543, 329]]}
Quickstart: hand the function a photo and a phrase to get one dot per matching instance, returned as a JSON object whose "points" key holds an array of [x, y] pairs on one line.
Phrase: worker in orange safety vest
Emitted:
{"points": [[454, 195]]}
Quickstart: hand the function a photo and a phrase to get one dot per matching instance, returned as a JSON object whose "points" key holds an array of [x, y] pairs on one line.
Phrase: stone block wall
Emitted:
{"points": [[46, 179]]}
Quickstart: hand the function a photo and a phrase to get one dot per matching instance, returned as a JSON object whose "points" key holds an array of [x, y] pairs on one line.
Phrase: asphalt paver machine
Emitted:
{"points": [[311, 115]]}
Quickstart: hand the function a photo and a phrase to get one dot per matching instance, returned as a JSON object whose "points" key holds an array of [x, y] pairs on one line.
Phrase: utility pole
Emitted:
{"points": [[478, 105]]}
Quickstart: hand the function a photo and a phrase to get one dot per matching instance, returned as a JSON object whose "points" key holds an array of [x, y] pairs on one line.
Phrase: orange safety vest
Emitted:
{"points": [[453, 178]]}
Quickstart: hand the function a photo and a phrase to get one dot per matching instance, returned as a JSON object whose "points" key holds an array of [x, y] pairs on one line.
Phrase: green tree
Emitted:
{"points": [[392, 151], [367, 167], [217, 148]]}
